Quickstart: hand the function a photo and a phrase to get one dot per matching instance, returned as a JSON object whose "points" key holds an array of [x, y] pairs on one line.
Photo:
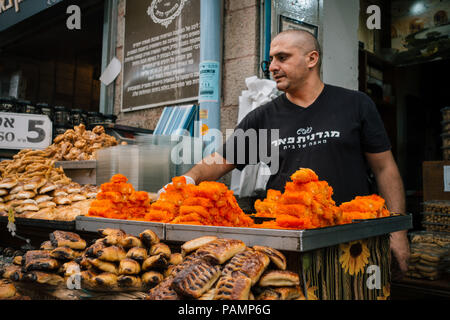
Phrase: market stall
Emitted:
{"points": [[337, 259]]}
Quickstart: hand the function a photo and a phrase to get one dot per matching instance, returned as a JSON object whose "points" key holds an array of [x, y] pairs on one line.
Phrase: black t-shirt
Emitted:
{"points": [[329, 137]]}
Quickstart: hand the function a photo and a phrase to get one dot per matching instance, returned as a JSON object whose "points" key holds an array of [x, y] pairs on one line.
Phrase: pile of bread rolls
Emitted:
{"points": [[226, 269]]}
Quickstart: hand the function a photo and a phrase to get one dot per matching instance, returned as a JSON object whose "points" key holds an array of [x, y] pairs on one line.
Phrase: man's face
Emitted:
{"points": [[288, 64]]}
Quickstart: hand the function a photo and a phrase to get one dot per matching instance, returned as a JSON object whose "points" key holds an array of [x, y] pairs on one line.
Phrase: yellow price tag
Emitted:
{"points": [[11, 217]]}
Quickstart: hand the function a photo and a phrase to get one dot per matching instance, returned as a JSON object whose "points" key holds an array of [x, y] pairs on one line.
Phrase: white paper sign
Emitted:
{"points": [[24, 131], [446, 178], [111, 72]]}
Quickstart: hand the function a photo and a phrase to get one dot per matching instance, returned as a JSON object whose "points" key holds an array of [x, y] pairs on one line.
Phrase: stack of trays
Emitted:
{"points": [[436, 216], [429, 255]]}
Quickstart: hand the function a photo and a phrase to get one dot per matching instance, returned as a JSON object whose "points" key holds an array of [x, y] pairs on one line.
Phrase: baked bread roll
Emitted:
{"points": [[152, 278], [109, 231], [278, 278], [114, 237], [87, 277], [194, 244], [250, 262], [129, 267], [39, 260], [138, 254], [160, 249], [281, 293], [11, 272], [67, 239], [44, 278], [130, 242], [46, 204], [163, 291], [64, 253], [92, 251], [48, 187], [105, 279], [129, 281], [8, 183], [276, 257], [235, 287], [18, 188], [7, 289], [154, 262], [112, 254], [104, 265], [18, 260], [194, 280], [27, 207], [76, 197], [34, 183], [63, 200], [25, 195], [43, 264], [220, 250], [3, 192], [176, 258], [148, 238]]}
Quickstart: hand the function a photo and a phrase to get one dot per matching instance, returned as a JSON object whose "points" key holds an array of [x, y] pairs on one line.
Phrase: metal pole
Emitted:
{"points": [[210, 65]]}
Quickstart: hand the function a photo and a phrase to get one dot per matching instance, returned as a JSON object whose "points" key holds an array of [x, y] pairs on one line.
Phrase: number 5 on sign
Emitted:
{"points": [[20, 131]]}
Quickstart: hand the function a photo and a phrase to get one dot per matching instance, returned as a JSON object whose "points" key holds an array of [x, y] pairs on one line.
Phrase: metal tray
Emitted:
{"points": [[92, 224], [295, 240], [84, 164], [40, 223], [277, 239], [360, 229]]}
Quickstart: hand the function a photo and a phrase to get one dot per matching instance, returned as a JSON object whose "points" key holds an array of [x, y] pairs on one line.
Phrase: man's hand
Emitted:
{"points": [[400, 249], [391, 188]]}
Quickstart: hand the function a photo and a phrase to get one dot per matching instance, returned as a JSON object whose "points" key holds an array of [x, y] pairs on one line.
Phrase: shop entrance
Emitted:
{"points": [[44, 63]]}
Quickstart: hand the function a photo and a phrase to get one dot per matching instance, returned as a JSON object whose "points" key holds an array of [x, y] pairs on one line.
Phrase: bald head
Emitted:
{"points": [[304, 40]]}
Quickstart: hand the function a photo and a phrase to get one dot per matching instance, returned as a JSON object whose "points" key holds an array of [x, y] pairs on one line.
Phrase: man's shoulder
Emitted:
{"points": [[267, 107], [347, 93]]}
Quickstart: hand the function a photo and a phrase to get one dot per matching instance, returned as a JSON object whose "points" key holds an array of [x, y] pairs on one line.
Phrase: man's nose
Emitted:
{"points": [[273, 66]]}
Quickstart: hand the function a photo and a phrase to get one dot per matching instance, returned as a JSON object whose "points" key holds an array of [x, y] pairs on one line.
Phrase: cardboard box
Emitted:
{"points": [[433, 180]]}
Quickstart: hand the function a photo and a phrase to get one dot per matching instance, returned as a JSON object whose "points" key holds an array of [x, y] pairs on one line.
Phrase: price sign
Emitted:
{"points": [[24, 131]]}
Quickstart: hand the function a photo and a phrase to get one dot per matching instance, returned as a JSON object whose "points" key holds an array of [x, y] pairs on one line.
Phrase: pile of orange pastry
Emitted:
{"points": [[307, 204], [117, 199], [209, 203]]}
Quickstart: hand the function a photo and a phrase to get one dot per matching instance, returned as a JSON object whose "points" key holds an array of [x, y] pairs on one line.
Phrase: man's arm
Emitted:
{"points": [[390, 185], [210, 168]]}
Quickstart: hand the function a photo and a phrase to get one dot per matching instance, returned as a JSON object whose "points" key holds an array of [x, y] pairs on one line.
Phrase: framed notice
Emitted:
{"points": [[161, 53], [287, 23]]}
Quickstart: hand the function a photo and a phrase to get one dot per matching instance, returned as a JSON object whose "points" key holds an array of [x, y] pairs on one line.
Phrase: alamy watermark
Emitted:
{"points": [[248, 147], [74, 20]]}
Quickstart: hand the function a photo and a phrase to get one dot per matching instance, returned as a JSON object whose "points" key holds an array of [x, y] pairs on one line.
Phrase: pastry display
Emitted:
{"points": [[80, 144], [226, 269], [307, 204]]}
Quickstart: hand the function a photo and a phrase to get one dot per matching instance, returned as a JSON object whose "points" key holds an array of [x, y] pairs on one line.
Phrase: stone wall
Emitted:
{"points": [[240, 60]]}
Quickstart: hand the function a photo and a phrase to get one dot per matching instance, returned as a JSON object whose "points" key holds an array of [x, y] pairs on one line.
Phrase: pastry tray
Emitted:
{"points": [[295, 240], [288, 240], [41, 223], [82, 164], [92, 224]]}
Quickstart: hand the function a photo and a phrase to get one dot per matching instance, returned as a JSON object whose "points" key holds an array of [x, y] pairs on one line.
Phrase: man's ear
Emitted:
{"points": [[313, 59]]}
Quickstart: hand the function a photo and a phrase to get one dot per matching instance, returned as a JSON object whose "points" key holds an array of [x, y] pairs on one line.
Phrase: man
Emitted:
{"points": [[334, 131]]}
